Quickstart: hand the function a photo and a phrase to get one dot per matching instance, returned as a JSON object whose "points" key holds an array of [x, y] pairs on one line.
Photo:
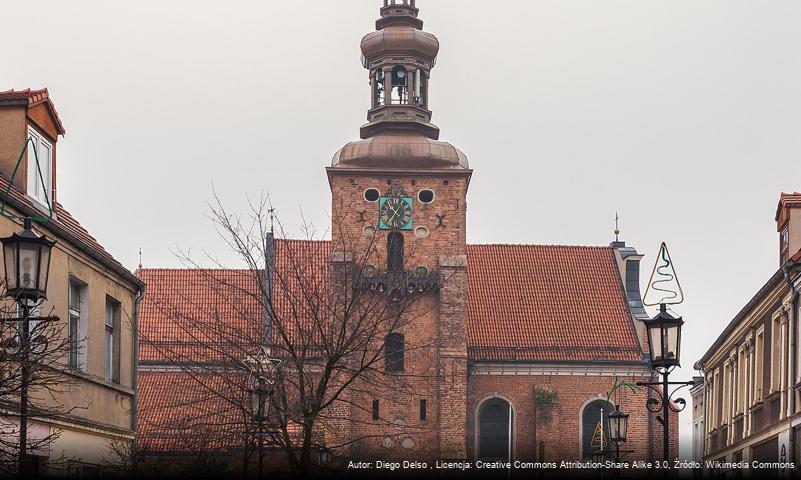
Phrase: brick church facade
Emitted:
{"points": [[514, 353]]}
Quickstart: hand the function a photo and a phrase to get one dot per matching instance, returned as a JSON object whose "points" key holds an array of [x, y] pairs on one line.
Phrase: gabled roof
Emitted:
{"points": [[525, 302], [180, 304], [547, 303], [67, 228], [32, 98]]}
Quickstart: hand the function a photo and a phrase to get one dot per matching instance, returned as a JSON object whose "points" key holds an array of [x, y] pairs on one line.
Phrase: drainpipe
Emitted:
{"points": [[793, 325], [135, 369]]}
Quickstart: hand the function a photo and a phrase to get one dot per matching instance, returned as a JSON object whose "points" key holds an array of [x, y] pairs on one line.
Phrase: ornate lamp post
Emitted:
{"points": [[664, 343], [27, 268], [618, 429], [263, 370]]}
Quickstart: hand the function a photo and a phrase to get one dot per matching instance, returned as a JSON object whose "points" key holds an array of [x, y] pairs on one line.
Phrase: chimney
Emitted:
{"points": [[28, 117], [788, 224]]}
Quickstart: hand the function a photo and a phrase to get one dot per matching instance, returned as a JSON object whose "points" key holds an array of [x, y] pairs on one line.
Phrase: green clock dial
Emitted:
{"points": [[395, 213]]}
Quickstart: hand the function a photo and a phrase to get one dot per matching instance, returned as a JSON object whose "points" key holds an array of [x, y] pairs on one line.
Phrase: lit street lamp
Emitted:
{"points": [[27, 267]]}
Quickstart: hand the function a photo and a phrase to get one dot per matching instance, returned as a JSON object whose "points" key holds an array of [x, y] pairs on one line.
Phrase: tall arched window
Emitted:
{"points": [[395, 252], [595, 427], [393, 352]]}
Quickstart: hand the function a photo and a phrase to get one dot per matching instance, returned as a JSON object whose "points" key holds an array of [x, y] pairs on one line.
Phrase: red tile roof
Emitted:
{"points": [[525, 302], [202, 411], [183, 413], [31, 98], [548, 303], [201, 314]]}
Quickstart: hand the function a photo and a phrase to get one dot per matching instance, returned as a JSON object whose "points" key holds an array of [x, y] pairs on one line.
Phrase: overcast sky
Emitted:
{"points": [[681, 115]]}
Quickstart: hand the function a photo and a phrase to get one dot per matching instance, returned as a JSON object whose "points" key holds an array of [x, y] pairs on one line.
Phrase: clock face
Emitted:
{"points": [[395, 213]]}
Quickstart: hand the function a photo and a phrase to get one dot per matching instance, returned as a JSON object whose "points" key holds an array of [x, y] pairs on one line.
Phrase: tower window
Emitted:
{"points": [[371, 194], [423, 410], [393, 352], [425, 196], [379, 87], [395, 252], [375, 410]]}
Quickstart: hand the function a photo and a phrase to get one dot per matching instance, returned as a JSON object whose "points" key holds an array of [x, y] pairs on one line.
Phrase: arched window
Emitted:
{"points": [[395, 252], [494, 429], [595, 427], [393, 352]]}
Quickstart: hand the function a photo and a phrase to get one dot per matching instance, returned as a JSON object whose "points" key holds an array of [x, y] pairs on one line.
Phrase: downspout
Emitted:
{"points": [[793, 354], [135, 369]]}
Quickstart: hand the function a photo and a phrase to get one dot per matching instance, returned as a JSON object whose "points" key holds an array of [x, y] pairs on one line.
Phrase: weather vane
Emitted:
{"points": [[663, 286]]}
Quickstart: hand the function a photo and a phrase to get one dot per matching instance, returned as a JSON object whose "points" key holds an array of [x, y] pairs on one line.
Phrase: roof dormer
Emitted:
{"points": [[788, 224], [28, 119]]}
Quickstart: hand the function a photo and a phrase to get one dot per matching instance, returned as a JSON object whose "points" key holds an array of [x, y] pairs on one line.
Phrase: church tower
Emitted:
{"points": [[402, 190]]}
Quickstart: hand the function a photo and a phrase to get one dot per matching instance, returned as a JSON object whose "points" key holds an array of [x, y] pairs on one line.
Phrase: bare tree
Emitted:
{"points": [[321, 309], [33, 374]]}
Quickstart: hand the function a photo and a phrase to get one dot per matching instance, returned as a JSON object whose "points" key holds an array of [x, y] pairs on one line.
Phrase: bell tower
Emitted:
{"points": [[402, 192]]}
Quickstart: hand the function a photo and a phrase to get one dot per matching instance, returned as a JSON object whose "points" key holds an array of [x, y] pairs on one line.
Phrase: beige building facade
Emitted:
{"points": [[94, 297], [752, 372]]}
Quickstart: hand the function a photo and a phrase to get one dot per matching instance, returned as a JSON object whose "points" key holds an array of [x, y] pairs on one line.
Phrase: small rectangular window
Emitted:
{"points": [[423, 412], [375, 410]]}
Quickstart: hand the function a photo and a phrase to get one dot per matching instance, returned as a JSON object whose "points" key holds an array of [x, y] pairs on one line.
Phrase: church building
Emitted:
{"points": [[537, 335]]}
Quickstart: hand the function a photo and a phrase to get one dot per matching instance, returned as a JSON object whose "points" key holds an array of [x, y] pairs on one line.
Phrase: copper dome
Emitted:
{"points": [[400, 150], [400, 38]]}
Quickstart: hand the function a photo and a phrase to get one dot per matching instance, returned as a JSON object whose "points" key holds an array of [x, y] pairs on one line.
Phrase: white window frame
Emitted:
{"points": [[78, 317], [775, 352], [45, 164], [110, 343]]}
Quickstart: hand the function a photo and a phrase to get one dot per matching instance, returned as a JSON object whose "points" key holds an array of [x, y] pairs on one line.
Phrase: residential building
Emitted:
{"points": [[699, 430], [94, 297], [751, 371]]}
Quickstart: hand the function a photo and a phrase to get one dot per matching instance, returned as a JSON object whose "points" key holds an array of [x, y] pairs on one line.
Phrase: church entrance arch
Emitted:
{"points": [[495, 429]]}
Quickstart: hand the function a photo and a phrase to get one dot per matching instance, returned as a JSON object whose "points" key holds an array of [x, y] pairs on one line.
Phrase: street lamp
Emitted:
{"points": [[618, 425], [664, 339], [263, 370], [664, 342], [27, 265], [26, 261]]}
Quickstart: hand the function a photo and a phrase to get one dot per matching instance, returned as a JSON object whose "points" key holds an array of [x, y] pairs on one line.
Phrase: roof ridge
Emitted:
{"points": [[546, 245]]}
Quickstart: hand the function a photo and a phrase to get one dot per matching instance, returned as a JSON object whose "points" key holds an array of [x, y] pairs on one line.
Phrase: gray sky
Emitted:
{"points": [[681, 115]]}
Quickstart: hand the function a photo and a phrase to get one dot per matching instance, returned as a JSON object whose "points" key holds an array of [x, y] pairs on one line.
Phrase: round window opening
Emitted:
{"points": [[369, 231], [421, 232], [426, 196], [371, 195]]}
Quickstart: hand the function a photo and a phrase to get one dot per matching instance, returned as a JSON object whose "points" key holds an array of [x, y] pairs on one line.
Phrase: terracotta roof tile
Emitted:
{"points": [[33, 97], [179, 412], [220, 309], [539, 302], [525, 302]]}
